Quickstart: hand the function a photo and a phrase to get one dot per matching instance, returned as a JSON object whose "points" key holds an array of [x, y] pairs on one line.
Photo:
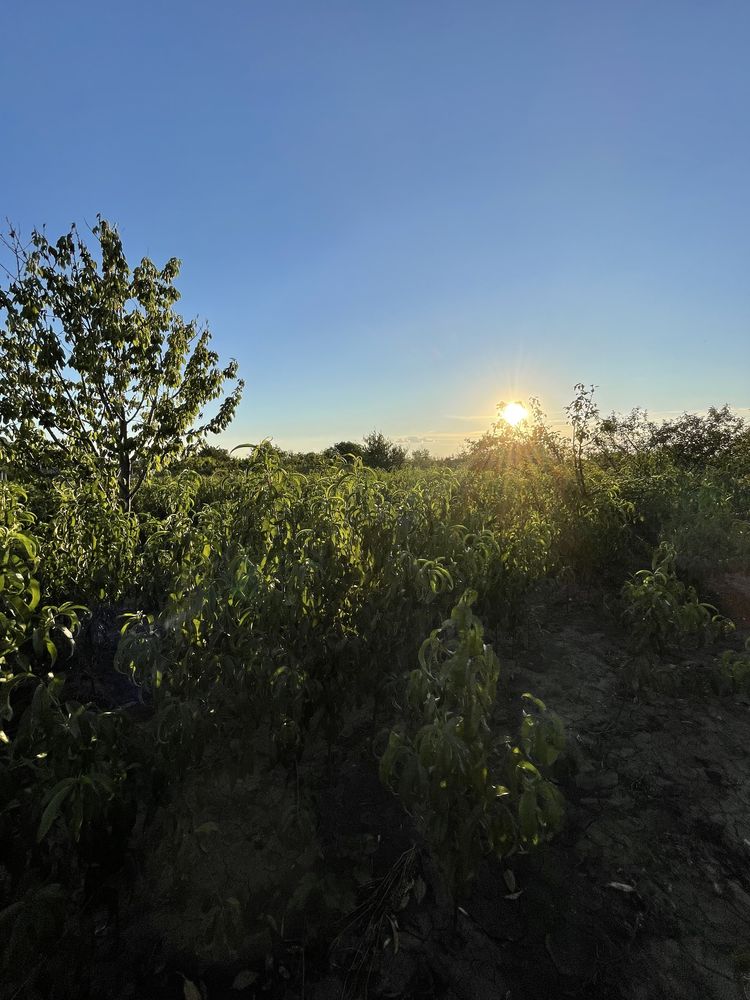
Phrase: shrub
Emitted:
{"points": [[733, 675], [470, 792], [663, 612], [381, 453]]}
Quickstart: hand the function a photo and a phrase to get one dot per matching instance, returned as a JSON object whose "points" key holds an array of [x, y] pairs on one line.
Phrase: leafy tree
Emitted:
{"points": [[97, 371], [621, 436], [421, 458], [342, 449], [382, 453], [583, 416], [484, 453], [695, 440], [504, 446], [210, 459], [303, 461]]}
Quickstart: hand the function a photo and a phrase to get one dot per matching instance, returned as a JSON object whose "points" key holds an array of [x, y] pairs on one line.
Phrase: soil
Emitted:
{"points": [[647, 895], [644, 896]]}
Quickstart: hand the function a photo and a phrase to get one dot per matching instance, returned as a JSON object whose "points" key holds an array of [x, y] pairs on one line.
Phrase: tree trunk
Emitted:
{"points": [[125, 470]]}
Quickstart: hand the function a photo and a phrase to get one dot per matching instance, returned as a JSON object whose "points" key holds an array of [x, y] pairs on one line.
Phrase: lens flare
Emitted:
{"points": [[513, 413]]}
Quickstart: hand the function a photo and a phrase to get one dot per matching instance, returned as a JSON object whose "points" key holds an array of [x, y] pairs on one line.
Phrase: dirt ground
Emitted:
{"points": [[648, 889], [644, 896]]}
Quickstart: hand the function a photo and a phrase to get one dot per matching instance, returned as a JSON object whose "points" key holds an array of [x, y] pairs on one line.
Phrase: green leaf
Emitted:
{"points": [[535, 701], [35, 592], [50, 814]]}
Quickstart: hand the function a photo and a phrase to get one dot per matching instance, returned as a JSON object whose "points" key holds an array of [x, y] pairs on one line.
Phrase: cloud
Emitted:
{"points": [[439, 442], [476, 416], [418, 439]]}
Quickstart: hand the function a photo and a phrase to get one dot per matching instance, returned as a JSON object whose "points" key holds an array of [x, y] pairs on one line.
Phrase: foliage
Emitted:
{"points": [[272, 617], [702, 525], [30, 633], [470, 791], [663, 612], [34, 639], [583, 414], [503, 447], [421, 458], [695, 441], [691, 441], [209, 460], [91, 545], [733, 675], [345, 449], [621, 436], [98, 372], [381, 453]]}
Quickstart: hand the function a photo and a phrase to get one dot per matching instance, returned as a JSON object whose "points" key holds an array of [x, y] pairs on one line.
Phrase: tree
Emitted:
{"points": [[344, 449], [382, 453], [619, 437], [506, 446], [583, 416], [421, 458], [97, 371], [210, 459], [695, 440]]}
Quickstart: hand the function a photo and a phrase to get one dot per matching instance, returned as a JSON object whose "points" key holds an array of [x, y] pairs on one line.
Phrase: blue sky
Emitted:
{"points": [[396, 214]]}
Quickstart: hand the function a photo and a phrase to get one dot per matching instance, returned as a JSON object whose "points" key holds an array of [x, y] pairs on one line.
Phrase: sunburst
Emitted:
{"points": [[513, 413]]}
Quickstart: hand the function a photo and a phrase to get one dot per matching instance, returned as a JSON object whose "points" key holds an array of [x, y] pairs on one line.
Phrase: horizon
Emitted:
{"points": [[444, 450], [395, 217]]}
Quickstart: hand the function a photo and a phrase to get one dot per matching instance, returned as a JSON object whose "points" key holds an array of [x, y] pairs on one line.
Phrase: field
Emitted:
{"points": [[295, 728]]}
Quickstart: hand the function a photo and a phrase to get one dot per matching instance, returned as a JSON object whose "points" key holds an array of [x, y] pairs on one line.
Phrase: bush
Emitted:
{"points": [[663, 612], [471, 792], [381, 453]]}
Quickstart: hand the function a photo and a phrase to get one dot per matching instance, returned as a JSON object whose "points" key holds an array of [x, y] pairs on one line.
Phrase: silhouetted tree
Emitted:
{"points": [[382, 453], [97, 371]]}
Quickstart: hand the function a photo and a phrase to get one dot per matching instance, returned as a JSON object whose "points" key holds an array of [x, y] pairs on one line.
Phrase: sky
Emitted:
{"points": [[396, 214]]}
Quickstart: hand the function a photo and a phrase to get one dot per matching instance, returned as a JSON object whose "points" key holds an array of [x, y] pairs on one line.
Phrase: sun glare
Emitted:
{"points": [[513, 413]]}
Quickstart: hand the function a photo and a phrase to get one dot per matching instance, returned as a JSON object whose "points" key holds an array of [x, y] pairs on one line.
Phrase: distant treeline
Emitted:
{"points": [[690, 440]]}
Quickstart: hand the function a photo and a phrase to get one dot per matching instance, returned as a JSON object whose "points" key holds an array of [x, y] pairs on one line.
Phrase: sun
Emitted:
{"points": [[513, 413]]}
